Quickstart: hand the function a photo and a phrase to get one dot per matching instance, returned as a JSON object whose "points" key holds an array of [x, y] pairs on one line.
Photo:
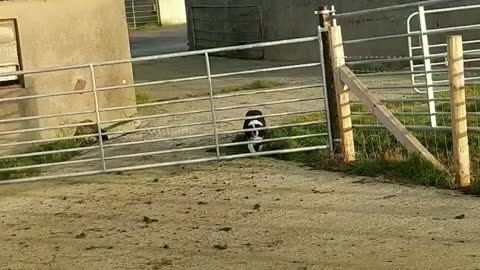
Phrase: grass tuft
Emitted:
{"points": [[43, 159]]}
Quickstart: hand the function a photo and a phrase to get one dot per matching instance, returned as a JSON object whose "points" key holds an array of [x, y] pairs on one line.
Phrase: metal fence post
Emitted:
{"points": [[325, 86], [133, 15], [325, 20], [212, 105], [159, 16], [427, 66], [456, 77], [97, 112]]}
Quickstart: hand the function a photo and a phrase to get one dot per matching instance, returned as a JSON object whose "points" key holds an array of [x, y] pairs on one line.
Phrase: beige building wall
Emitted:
{"points": [[172, 12], [61, 33]]}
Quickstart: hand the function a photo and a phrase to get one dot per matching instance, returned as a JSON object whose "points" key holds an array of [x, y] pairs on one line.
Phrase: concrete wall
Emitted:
{"points": [[285, 19], [172, 12], [61, 33]]}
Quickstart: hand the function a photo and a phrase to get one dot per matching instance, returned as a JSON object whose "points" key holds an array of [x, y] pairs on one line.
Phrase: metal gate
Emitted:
{"points": [[431, 53], [141, 12], [219, 26], [206, 130]]}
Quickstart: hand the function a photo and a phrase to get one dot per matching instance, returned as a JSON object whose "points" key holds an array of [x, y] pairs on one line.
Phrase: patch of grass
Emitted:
{"points": [[413, 170], [378, 154], [472, 105], [260, 84], [379, 67], [143, 98], [146, 27], [41, 159]]}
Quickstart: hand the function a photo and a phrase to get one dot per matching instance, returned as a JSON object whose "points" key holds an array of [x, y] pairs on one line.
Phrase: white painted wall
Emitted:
{"points": [[172, 12]]}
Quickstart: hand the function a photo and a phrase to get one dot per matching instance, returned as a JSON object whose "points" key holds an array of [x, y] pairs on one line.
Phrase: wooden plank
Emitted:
{"points": [[342, 95], [405, 137], [456, 77]]}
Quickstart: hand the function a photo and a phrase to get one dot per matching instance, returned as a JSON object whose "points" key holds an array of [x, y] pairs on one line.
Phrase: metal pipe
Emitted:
{"points": [[325, 92], [277, 90], [47, 140], [29, 118], [155, 116], [212, 104], [390, 8], [34, 154], [98, 118], [267, 116], [44, 95], [46, 128], [167, 102], [267, 103], [399, 73], [273, 127], [38, 166], [397, 59], [265, 70], [277, 139], [156, 128], [158, 140], [167, 56]]}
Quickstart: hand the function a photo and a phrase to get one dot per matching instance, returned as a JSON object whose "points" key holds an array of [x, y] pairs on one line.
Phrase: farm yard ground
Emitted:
{"points": [[258, 213], [245, 214]]}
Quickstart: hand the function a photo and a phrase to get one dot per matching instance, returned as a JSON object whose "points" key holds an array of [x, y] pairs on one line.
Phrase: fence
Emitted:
{"points": [[372, 115], [210, 126], [141, 12], [395, 100]]}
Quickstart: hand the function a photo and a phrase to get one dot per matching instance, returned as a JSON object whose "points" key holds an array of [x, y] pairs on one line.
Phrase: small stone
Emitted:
{"points": [[81, 235], [256, 207], [149, 220], [462, 216], [220, 246]]}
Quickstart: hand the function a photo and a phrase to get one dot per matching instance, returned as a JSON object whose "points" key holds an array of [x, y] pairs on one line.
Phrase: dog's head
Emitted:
{"points": [[253, 133], [254, 125]]}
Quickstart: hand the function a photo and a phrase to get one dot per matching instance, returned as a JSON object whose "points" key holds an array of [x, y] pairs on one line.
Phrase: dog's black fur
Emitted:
{"points": [[256, 120]]}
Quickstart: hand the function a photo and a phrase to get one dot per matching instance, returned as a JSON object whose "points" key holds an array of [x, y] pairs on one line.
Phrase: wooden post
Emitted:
{"points": [[386, 117], [342, 94], [325, 23], [456, 77]]}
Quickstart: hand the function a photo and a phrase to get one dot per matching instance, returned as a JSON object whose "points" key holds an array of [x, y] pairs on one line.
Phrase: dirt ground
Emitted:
{"points": [[245, 214], [256, 213]]}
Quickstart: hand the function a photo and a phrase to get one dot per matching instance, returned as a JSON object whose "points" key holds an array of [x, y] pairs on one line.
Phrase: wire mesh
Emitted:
{"points": [[419, 102]]}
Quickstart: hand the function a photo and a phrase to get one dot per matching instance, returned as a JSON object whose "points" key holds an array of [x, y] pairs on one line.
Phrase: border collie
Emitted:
{"points": [[256, 120]]}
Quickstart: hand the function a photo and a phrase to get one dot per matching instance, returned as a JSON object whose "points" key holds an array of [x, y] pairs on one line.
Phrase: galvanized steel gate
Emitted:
{"points": [[208, 132], [141, 12]]}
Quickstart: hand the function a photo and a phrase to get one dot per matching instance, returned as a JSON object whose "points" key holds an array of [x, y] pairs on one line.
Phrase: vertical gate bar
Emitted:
{"points": [[325, 92], [428, 66], [97, 112], [212, 105], [159, 15], [134, 18], [411, 52]]}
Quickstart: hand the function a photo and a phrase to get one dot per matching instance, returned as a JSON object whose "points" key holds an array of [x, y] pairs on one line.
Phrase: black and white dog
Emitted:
{"points": [[251, 125]]}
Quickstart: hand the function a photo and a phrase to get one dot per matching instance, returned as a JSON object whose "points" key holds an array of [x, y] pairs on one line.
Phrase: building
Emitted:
{"points": [[38, 34], [217, 23], [161, 12]]}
